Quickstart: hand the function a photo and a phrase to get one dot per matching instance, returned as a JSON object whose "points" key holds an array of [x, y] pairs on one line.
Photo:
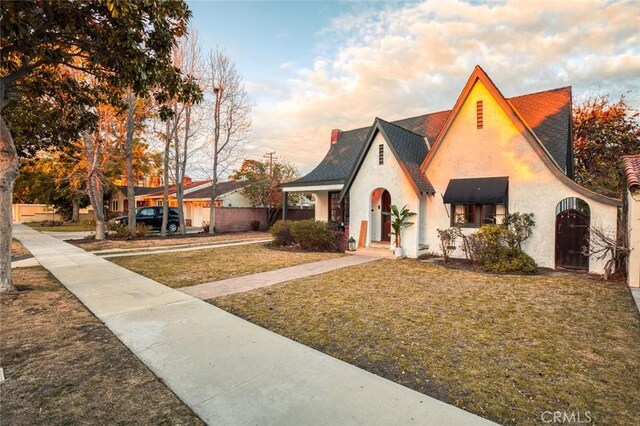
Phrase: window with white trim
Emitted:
{"points": [[114, 206]]}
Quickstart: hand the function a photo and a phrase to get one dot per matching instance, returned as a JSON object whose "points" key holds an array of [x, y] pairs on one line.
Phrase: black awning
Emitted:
{"points": [[477, 191]]}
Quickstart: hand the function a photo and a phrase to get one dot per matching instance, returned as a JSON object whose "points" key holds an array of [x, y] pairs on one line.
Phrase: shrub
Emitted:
{"points": [[448, 239], [313, 235], [255, 225], [205, 227], [511, 260], [49, 223], [281, 233], [493, 249], [520, 226], [142, 230], [119, 230]]}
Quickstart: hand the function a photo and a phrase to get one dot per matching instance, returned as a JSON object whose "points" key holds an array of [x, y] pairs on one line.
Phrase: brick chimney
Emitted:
{"points": [[186, 180], [335, 134]]}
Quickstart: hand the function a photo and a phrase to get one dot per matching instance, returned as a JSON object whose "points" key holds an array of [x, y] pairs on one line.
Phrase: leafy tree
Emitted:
{"points": [[120, 43], [263, 182], [603, 132]]}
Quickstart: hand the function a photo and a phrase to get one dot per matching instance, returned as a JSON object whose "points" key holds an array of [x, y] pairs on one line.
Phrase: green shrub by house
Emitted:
{"points": [[313, 235], [308, 234], [281, 233]]}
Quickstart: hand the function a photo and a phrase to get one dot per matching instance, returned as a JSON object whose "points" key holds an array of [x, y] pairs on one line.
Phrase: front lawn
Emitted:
{"points": [[507, 348], [65, 227], [181, 269], [171, 240], [17, 249], [63, 366]]}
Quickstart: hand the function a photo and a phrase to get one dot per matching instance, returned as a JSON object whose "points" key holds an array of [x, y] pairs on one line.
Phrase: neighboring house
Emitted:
{"points": [[632, 170], [197, 199], [118, 200], [487, 157]]}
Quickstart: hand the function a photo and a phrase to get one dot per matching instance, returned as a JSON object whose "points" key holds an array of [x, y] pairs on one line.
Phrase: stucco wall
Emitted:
{"points": [[633, 218], [500, 150], [236, 199], [321, 199], [390, 177]]}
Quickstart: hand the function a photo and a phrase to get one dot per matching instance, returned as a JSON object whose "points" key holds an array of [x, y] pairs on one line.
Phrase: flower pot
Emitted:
{"points": [[398, 252]]}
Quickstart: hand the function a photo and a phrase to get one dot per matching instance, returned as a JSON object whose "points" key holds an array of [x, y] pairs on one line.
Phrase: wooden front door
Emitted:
{"points": [[386, 219], [572, 235]]}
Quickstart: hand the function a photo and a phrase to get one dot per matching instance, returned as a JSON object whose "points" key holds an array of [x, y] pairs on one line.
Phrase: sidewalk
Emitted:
{"points": [[228, 370], [263, 279]]}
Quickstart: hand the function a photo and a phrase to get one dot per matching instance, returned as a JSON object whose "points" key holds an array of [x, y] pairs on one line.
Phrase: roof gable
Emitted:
{"points": [[407, 147]]}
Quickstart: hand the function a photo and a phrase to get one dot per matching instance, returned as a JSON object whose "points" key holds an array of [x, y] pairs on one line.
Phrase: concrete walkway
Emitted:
{"points": [[264, 279], [179, 249], [635, 292], [228, 370]]}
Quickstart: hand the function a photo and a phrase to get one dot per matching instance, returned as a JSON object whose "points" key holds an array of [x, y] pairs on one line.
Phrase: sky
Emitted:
{"points": [[310, 67]]}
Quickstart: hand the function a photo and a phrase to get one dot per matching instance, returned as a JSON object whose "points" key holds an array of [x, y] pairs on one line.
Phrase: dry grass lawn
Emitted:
{"points": [[65, 227], [194, 267], [173, 240], [17, 249], [507, 348], [63, 366]]}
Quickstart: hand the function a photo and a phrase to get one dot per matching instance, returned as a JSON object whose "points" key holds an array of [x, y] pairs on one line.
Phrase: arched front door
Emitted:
{"points": [[386, 219], [572, 234]]}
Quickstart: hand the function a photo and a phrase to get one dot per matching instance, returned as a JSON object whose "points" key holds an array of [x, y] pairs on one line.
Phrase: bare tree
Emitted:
{"points": [[609, 245], [185, 132], [231, 117]]}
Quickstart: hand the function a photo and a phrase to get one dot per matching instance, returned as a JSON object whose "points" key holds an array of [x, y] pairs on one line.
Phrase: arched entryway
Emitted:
{"points": [[380, 224], [573, 217]]}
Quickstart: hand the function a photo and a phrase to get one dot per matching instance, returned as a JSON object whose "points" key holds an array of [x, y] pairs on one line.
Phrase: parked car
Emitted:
{"points": [[152, 217]]}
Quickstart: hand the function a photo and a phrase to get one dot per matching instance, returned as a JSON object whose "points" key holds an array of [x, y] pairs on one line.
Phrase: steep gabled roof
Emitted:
{"points": [[406, 146], [222, 188], [548, 114], [517, 119], [336, 165], [631, 165]]}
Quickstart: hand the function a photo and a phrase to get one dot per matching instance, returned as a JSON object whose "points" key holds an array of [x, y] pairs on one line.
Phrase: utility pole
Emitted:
{"points": [[269, 155]]}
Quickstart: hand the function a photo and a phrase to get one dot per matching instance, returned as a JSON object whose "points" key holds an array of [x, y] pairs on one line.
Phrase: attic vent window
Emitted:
{"points": [[479, 115], [381, 154]]}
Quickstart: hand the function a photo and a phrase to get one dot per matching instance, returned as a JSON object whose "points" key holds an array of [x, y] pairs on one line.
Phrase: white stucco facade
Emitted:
{"points": [[633, 221], [499, 149], [373, 176]]}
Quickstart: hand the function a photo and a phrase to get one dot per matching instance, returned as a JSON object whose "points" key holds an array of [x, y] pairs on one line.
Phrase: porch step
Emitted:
{"points": [[383, 253]]}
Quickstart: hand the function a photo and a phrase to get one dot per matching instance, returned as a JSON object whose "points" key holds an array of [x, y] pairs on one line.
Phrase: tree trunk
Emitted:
{"points": [[214, 181], [75, 210], [165, 177], [131, 195], [183, 166], [94, 185], [179, 187], [8, 173]]}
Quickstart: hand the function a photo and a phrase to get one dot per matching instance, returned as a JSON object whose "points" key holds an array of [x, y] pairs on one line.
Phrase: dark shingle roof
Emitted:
{"points": [[632, 170], [411, 149], [547, 113], [338, 162], [137, 190], [159, 191], [221, 189]]}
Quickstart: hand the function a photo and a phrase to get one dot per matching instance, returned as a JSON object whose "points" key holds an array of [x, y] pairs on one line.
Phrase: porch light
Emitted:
{"points": [[352, 244]]}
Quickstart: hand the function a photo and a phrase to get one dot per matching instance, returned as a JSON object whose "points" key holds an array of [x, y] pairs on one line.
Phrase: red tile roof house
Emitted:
{"points": [[632, 170], [487, 156]]}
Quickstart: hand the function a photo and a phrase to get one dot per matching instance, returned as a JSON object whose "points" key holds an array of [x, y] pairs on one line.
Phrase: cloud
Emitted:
{"points": [[413, 59]]}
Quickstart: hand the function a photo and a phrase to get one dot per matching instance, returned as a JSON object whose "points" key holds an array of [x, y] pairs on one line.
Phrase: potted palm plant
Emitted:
{"points": [[399, 221]]}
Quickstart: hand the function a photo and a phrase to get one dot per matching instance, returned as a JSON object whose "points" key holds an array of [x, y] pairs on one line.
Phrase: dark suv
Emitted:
{"points": [[152, 216]]}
